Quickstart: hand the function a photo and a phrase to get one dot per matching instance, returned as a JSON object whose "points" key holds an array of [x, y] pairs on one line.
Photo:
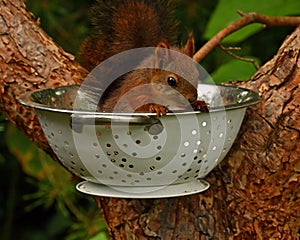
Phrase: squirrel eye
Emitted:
{"points": [[171, 81]]}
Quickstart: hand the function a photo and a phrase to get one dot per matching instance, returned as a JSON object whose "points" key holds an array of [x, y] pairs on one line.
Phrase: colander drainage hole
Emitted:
{"points": [[204, 124], [138, 141], [186, 144], [124, 160], [152, 168], [194, 132], [158, 158], [182, 155]]}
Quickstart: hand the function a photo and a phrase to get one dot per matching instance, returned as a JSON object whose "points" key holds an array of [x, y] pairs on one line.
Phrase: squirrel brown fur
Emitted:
{"points": [[122, 25]]}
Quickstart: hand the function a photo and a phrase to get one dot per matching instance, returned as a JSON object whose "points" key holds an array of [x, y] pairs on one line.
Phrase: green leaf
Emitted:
{"points": [[225, 13], [234, 70], [100, 236], [25, 151]]}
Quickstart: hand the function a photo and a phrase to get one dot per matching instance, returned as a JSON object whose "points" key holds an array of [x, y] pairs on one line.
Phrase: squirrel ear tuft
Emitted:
{"points": [[161, 55], [189, 47]]}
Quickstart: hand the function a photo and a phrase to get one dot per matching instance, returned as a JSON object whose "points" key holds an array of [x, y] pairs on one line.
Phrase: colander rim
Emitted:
{"points": [[26, 100]]}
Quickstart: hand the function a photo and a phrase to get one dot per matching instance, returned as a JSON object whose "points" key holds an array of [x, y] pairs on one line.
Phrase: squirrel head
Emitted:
{"points": [[173, 77]]}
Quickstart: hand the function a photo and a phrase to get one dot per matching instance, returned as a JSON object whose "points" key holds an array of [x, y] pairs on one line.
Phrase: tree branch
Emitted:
{"points": [[247, 18], [29, 59], [229, 50]]}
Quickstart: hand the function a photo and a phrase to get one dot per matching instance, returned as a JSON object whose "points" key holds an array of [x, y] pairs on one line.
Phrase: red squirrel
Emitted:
{"points": [[122, 25]]}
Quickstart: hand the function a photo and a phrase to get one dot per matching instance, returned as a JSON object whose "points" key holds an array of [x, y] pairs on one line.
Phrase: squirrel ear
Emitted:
{"points": [[189, 47], [161, 55]]}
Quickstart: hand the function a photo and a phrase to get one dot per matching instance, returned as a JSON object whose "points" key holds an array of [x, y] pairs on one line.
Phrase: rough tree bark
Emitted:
{"points": [[255, 192], [29, 59]]}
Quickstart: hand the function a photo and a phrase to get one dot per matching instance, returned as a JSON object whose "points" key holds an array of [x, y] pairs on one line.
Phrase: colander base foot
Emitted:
{"points": [[175, 190]]}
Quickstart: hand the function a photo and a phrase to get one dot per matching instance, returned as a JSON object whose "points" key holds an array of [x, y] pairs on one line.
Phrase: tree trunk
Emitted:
{"points": [[254, 193]]}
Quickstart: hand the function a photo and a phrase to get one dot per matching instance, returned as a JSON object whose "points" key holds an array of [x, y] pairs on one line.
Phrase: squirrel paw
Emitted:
{"points": [[200, 106], [158, 109]]}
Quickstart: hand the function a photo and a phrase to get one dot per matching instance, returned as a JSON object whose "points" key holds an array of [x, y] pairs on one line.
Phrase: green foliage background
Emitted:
{"points": [[38, 196]]}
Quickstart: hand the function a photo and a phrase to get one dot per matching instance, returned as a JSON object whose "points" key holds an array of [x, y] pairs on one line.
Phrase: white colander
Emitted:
{"points": [[141, 155]]}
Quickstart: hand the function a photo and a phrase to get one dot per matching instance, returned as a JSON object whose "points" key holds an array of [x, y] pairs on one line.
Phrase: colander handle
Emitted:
{"points": [[78, 120]]}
